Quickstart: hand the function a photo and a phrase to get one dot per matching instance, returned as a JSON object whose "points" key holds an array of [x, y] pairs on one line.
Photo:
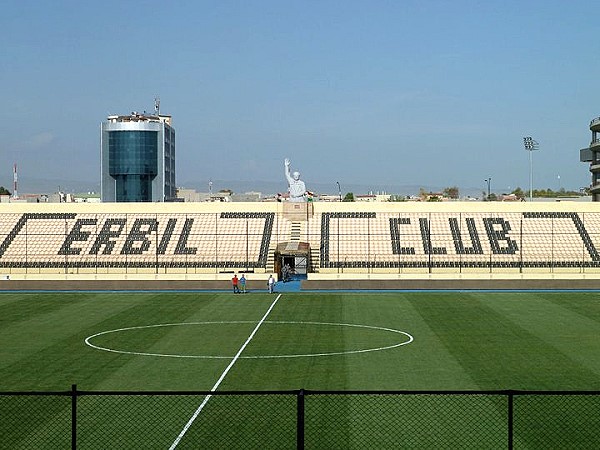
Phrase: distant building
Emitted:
{"points": [[592, 155], [508, 198], [247, 197], [431, 196], [138, 158], [191, 195], [372, 198], [365, 198], [224, 195], [329, 198]]}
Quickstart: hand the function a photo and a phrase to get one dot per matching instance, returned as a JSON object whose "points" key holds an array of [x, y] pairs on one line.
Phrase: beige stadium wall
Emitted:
{"points": [[553, 244]]}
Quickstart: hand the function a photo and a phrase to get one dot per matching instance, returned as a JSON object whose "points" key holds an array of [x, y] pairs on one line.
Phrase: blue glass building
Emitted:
{"points": [[138, 158]]}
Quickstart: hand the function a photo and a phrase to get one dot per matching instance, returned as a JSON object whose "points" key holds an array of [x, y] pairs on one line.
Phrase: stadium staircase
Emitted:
{"points": [[270, 266]]}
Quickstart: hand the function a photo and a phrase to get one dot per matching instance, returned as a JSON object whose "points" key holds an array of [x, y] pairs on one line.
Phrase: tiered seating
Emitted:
{"points": [[429, 241], [30, 236], [40, 243], [13, 248], [384, 240], [239, 242], [108, 241], [281, 231], [550, 241], [591, 223]]}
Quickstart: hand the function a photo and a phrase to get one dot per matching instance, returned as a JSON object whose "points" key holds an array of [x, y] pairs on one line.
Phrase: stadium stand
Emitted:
{"points": [[369, 245]]}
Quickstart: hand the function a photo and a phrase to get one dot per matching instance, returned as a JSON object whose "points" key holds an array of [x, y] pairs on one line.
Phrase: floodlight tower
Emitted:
{"points": [[15, 194], [530, 145]]}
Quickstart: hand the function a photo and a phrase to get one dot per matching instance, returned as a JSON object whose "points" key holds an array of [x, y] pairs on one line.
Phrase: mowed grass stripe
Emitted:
{"points": [[51, 354], [147, 372], [496, 352], [48, 352], [55, 355], [63, 316], [583, 303], [423, 364], [462, 341], [35, 422], [406, 421], [572, 334], [261, 374], [15, 308], [321, 372]]}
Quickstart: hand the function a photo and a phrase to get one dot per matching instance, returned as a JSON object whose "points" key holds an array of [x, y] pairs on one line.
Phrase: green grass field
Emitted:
{"points": [[316, 341]]}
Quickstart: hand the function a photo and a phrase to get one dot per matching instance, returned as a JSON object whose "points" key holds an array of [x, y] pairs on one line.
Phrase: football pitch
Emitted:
{"points": [[221, 342]]}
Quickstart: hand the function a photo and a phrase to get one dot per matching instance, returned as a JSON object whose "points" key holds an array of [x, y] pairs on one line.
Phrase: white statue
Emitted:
{"points": [[296, 186]]}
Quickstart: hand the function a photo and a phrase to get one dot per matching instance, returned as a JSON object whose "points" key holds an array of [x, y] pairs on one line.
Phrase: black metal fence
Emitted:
{"points": [[300, 419]]}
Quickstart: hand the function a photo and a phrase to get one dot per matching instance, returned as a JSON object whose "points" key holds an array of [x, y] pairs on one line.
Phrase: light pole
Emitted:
{"points": [[488, 181], [339, 190], [530, 146]]}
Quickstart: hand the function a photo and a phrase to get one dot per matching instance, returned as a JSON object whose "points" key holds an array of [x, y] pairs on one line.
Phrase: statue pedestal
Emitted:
{"points": [[297, 212]]}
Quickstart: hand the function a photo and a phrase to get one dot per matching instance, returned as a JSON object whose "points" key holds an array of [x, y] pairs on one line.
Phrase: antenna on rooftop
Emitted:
{"points": [[157, 106]]}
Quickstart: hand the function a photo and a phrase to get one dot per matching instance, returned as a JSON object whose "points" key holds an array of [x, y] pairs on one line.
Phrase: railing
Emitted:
{"points": [[300, 419]]}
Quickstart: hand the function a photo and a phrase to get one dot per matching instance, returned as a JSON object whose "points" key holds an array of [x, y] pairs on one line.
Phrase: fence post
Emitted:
{"points": [[510, 420], [73, 417], [300, 420]]}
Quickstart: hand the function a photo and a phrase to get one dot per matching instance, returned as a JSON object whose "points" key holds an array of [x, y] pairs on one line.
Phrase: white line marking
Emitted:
{"points": [[304, 355], [214, 388]]}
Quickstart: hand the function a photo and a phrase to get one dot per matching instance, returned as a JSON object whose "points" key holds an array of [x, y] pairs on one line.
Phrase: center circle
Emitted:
{"points": [[405, 339]]}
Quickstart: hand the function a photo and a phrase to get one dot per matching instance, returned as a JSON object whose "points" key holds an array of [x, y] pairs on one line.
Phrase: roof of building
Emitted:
{"points": [[141, 117]]}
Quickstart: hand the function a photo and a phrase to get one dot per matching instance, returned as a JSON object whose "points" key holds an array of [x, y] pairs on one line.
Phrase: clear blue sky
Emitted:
{"points": [[431, 93]]}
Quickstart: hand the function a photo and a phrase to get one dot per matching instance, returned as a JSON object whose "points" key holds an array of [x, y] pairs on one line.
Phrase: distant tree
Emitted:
{"points": [[544, 193], [451, 192], [349, 197], [489, 198], [518, 192], [549, 193], [434, 198], [4, 191]]}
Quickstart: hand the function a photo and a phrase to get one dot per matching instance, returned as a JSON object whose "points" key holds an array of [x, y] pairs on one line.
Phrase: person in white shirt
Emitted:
{"points": [[271, 284]]}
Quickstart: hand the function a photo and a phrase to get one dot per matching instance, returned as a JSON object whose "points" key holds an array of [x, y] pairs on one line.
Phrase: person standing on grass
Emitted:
{"points": [[271, 284], [234, 283], [243, 284]]}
